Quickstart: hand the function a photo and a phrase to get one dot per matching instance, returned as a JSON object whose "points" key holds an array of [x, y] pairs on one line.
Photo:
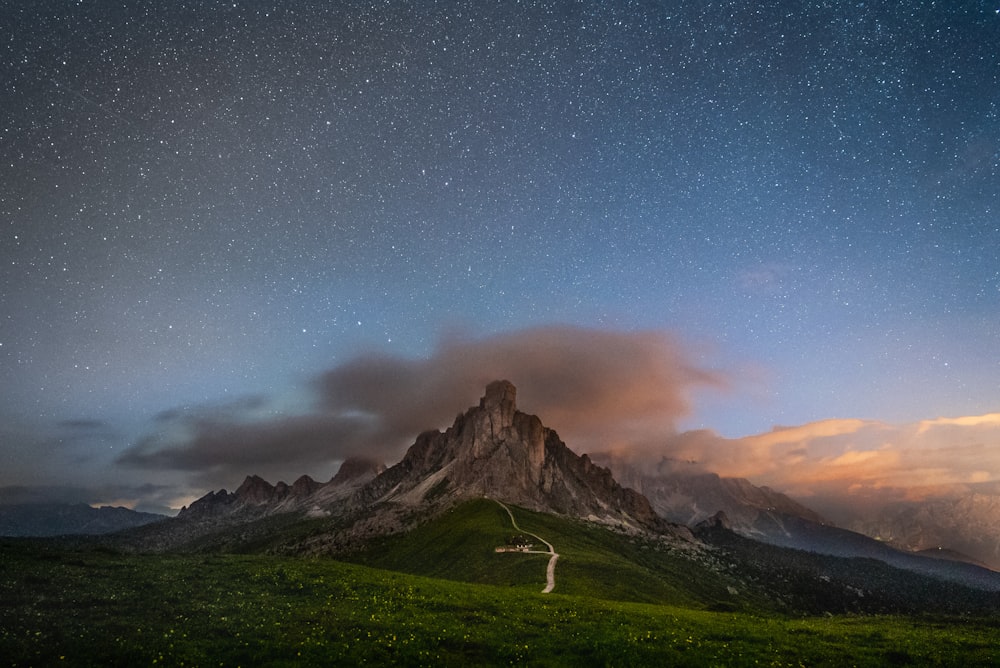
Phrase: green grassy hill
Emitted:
{"points": [[721, 571], [594, 561], [99, 608], [460, 545], [730, 573]]}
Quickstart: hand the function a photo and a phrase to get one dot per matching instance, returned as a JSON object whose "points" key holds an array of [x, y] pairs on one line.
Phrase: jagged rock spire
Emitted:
{"points": [[500, 401], [491, 450], [495, 450]]}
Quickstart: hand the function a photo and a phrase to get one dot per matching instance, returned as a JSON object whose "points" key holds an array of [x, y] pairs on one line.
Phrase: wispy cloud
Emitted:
{"points": [[84, 425]]}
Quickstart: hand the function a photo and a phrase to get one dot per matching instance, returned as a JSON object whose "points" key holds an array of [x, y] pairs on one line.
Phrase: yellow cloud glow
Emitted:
{"points": [[990, 419], [854, 458], [807, 432]]}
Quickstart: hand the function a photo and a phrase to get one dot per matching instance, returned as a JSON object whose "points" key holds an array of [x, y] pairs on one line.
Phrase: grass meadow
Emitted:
{"points": [[94, 607]]}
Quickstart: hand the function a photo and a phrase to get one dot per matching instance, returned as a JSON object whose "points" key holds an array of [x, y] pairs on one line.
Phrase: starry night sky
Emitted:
{"points": [[213, 208]]}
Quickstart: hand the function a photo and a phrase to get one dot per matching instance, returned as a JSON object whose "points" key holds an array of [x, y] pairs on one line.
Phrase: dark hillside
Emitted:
{"points": [[63, 519], [726, 572], [814, 583]]}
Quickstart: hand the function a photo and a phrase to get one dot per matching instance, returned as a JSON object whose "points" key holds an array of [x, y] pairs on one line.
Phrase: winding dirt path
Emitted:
{"points": [[550, 570]]}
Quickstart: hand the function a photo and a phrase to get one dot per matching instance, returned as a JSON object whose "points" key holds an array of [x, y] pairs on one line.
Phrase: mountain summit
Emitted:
{"points": [[492, 450], [495, 450]]}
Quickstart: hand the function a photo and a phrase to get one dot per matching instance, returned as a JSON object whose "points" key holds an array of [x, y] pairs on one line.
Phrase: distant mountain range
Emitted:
{"points": [[686, 495], [58, 519], [964, 522], [682, 494]]}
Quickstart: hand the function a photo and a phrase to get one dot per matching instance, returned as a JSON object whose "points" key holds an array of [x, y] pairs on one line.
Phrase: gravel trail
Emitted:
{"points": [[550, 571]]}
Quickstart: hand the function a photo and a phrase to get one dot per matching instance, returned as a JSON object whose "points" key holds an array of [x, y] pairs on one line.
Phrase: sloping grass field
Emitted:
{"points": [[95, 607], [460, 545]]}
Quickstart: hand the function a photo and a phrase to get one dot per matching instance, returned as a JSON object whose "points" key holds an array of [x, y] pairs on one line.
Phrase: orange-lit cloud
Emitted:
{"points": [[988, 420], [857, 457], [808, 432], [598, 389]]}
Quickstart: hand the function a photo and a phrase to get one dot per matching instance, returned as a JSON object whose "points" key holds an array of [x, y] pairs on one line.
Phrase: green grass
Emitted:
{"points": [[597, 562], [460, 545], [101, 608]]}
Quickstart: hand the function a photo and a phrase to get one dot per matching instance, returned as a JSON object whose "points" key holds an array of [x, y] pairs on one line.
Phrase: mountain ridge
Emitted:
{"points": [[494, 450], [63, 519], [257, 497], [690, 496], [966, 522]]}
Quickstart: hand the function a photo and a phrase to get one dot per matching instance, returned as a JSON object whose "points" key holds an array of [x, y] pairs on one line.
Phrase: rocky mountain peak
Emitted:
{"points": [[492, 450], [304, 486], [500, 401], [689, 495], [497, 432], [357, 468], [495, 450], [255, 490], [717, 521]]}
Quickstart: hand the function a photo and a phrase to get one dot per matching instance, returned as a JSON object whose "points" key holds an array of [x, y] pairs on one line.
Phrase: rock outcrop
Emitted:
{"points": [[692, 496], [356, 470], [492, 450], [257, 497], [966, 521], [495, 450]]}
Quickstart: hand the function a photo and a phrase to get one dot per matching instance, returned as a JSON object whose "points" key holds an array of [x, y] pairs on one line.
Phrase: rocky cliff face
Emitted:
{"points": [[496, 451], [691, 497], [492, 450], [256, 497], [967, 523]]}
